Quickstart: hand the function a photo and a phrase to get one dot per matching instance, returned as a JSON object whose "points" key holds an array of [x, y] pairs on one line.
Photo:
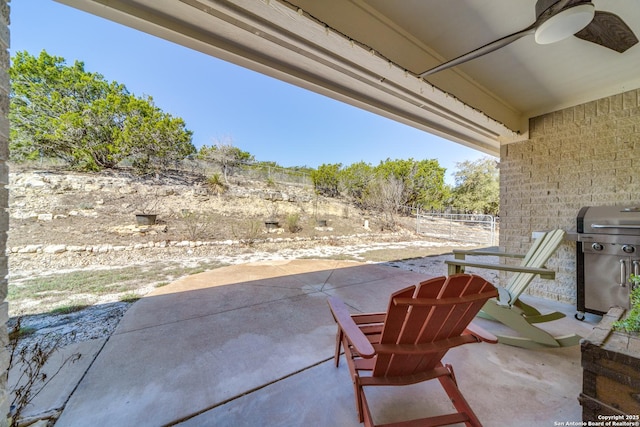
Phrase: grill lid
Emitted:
{"points": [[609, 220]]}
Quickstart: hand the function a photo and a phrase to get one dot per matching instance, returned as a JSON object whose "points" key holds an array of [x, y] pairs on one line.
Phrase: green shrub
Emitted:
{"points": [[248, 232], [293, 223], [216, 184], [631, 323], [326, 179], [196, 225]]}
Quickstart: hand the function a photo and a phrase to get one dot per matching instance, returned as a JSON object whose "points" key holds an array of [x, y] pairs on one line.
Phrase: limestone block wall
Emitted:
{"points": [[4, 202], [586, 155]]}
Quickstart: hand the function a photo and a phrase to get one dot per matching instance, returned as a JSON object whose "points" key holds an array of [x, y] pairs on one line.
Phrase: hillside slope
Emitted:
{"points": [[74, 224]]}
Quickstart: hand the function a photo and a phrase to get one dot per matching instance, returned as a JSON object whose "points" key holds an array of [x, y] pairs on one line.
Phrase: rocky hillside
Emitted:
{"points": [[53, 208], [62, 222], [74, 241]]}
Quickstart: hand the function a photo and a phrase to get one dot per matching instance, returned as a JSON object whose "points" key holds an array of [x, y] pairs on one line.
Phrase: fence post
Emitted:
{"points": [[493, 230]]}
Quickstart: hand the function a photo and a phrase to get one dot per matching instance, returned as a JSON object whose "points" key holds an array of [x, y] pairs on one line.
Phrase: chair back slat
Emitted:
{"points": [[541, 250], [420, 324], [393, 326], [412, 320]]}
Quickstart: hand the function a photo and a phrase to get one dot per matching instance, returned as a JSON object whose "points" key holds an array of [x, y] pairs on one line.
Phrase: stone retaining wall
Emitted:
{"points": [[30, 184], [106, 248]]}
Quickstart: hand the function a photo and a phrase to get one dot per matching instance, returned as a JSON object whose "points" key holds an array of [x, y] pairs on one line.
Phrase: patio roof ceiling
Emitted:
{"points": [[369, 53]]}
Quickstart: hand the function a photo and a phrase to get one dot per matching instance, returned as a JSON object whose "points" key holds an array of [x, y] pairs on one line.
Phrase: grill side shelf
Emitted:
{"points": [[626, 227]]}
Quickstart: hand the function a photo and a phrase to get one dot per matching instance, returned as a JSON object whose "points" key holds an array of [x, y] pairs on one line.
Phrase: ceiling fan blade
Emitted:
{"points": [[608, 30], [483, 50], [547, 8]]}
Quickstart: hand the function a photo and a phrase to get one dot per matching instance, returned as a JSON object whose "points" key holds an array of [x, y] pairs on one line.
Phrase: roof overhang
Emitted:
{"points": [[370, 53], [276, 39]]}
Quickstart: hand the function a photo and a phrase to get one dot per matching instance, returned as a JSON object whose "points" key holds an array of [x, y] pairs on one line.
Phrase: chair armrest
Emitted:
{"points": [[460, 254], [480, 333], [353, 333], [455, 268], [428, 347], [369, 318]]}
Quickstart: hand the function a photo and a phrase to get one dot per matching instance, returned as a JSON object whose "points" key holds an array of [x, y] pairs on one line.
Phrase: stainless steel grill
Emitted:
{"points": [[607, 252]]}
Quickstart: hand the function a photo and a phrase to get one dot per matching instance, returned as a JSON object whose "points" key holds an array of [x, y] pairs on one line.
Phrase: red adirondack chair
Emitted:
{"points": [[406, 344]]}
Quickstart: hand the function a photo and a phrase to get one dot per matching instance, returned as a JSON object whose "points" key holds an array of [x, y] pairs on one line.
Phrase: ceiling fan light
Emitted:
{"points": [[565, 24]]}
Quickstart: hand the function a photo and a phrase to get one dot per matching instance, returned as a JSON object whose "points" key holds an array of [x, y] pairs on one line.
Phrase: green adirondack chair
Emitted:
{"points": [[508, 308]]}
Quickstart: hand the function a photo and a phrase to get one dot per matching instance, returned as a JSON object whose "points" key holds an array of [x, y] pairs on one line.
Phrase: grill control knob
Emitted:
{"points": [[597, 247], [628, 249]]}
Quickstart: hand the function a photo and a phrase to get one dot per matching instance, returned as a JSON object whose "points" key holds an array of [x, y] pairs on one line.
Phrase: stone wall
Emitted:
{"points": [[586, 155], [4, 202]]}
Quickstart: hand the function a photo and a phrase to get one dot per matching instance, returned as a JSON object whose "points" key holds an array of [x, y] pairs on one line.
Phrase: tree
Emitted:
{"points": [[386, 195], [355, 180], [225, 154], [63, 111], [159, 138], [326, 179], [423, 181], [477, 187]]}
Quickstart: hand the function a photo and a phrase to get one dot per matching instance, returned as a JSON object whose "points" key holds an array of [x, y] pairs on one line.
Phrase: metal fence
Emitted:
{"points": [[483, 229], [274, 173], [250, 171]]}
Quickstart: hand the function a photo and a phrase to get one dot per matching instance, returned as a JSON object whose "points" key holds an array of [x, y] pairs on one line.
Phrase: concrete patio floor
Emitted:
{"points": [[252, 345]]}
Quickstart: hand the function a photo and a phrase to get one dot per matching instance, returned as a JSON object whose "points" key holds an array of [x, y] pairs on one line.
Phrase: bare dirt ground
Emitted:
{"points": [[66, 224]]}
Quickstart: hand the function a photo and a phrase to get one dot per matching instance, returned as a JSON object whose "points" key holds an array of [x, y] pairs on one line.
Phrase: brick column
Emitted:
{"points": [[4, 203]]}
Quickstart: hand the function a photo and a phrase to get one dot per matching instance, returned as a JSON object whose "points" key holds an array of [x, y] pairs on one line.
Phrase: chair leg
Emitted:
{"points": [[533, 336], [366, 413], [339, 336], [450, 386], [358, 391], [361, 403], [527, 309], [534, 316]]}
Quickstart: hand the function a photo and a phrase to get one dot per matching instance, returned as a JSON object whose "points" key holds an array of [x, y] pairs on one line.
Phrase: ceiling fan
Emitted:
{"points": [[555, 21]]}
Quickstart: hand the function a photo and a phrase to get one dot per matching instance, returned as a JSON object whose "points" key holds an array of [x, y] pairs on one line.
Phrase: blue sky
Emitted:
{"points": [[272, 120]]}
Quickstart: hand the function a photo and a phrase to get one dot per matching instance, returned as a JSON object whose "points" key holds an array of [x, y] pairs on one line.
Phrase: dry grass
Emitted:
{"points": [[58, 292]]}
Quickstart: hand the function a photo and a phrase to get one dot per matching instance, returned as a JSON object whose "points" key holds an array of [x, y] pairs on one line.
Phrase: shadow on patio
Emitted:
{"points": [[200, 352]]}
